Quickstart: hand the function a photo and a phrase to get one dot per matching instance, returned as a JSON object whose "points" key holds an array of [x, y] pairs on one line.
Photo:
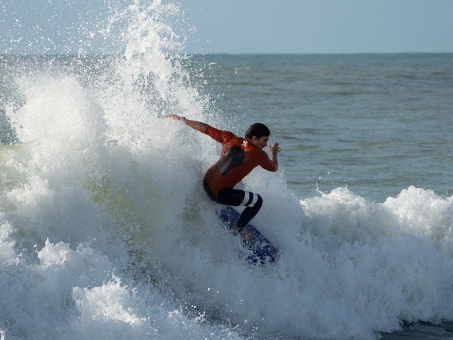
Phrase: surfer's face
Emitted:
{"points": [[261, 142]]}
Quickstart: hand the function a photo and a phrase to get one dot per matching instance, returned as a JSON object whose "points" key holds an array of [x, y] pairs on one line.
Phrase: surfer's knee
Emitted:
{"points": [[258, 203], [254, 201], [251, 209]]}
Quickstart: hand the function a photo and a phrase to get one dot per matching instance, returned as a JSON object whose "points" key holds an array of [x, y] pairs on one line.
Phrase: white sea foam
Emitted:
{"points": [[106, 233]]}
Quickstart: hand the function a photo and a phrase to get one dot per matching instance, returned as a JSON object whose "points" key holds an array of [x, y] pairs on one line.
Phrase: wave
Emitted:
{"points": [[106, 232]]}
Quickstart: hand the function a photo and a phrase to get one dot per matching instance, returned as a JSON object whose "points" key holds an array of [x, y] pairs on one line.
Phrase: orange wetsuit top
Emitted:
{"points": [[238, 158]]}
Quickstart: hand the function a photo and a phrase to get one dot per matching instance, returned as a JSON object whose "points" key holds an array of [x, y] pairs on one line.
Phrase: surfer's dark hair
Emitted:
{"points": [[259, 130]]}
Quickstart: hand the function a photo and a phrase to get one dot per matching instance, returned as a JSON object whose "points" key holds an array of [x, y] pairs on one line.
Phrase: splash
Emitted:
{"points": [[105, 230], [86, 204]]}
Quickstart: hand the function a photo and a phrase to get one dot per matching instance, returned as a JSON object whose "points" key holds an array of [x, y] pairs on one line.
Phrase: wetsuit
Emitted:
{"points": [[238, 158]]}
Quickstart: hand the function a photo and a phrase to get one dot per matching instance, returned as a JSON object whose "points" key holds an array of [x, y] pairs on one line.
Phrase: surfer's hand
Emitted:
{"points": [[274, 149], [175, 117]]}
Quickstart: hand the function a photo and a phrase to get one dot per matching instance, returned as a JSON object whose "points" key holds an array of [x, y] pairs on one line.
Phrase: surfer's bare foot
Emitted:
{"points": [[245, 235]]}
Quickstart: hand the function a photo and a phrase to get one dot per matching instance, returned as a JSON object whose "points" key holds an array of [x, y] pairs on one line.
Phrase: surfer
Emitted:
{"points": [[238, 158]]}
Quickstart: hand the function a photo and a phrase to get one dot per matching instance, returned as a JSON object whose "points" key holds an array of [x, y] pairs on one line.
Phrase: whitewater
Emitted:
{"points": [[105, 231]]}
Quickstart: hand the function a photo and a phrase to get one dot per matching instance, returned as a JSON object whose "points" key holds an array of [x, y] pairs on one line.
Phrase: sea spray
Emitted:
{"points": [[106, 231], [80, 206]]}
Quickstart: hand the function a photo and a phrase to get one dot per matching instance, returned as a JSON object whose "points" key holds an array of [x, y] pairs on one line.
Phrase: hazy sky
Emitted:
{"points": [[245, 26], [321, 26]]}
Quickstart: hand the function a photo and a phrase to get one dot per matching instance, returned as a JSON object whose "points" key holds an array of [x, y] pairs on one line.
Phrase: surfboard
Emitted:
{"points": [[259, 250]]}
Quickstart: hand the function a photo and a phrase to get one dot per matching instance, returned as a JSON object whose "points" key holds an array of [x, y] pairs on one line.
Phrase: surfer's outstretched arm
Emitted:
{"points": [[199, 126]]}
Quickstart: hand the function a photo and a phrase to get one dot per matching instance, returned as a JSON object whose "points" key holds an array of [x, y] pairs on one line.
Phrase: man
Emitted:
{"points": [[238, 158]]}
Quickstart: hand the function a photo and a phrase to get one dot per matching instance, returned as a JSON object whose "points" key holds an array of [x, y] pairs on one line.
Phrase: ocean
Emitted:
{"points": [[105, 231]]}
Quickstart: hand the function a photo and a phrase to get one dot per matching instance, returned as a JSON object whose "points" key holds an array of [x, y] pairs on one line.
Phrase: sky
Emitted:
{"points": [[321, 26], [246, 26]]}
